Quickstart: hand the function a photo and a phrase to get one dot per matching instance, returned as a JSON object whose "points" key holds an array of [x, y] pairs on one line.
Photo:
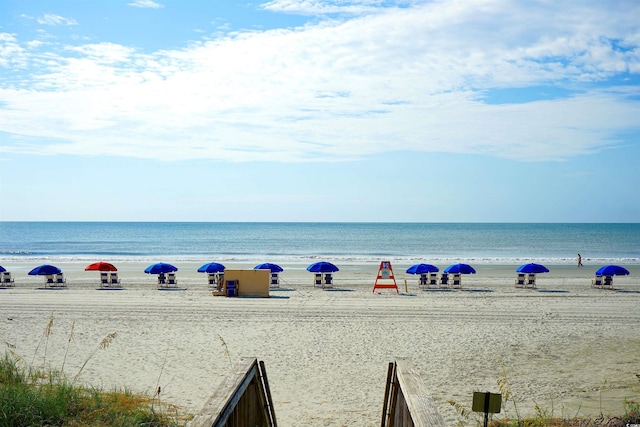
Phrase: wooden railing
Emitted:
{"points": [[243, 399], [407, 403]]}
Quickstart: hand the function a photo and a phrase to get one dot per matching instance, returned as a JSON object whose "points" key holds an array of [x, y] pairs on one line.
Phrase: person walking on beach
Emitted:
{"points": [[579, 260]]}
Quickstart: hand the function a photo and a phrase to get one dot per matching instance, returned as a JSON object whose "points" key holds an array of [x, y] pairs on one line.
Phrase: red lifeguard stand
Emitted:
{"points": [[385, 279]]}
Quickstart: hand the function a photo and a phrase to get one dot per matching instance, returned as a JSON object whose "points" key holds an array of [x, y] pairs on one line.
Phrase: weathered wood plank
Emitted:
{"points": [[391, 374], [420, 407], [238, 401], [269, 403]]}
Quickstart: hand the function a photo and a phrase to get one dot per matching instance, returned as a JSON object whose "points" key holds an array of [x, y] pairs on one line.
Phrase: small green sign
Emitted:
{"points": [[489, 403]]}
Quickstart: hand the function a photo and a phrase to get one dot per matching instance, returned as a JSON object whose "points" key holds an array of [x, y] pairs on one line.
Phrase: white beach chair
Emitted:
{"points": [[172, 280], [275, 280], [520, 280], [423, 281], [60, 281], [596, 282], [607, 283], [7, 280], [433, 280], [531, 281], [317, 280], [216, 281], [113, 280], [49, 281], [456, 282], [444, 280], [328, 281], [104, 278]]}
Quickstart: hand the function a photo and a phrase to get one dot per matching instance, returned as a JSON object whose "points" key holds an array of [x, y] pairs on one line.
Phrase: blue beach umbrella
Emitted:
{"points": [[612, 270], [422, 269], [532, 268], [322, 267], [160, 268], [274, 268], [2, 269], [45, 270], [212, 267], [460, 269]]}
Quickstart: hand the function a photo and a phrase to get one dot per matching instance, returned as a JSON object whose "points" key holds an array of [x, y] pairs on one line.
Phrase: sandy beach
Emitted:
{"points": [[567, 347]]}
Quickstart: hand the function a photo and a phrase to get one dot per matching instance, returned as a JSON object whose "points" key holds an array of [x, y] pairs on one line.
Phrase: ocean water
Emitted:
{"points": [[336, 242]]}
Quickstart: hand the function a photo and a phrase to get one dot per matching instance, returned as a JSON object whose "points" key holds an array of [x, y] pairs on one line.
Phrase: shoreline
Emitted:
{"points": [[565, 346]]}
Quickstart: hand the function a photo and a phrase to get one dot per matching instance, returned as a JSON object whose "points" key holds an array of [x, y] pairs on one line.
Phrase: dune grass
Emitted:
{"points": [[631, 417], [543, 417], [30, 397]]}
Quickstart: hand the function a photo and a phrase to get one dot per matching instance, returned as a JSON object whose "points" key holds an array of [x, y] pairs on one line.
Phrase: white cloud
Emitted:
{"points": [[11, 53], [323, 7], [400, 79], [51, 19], [149, 4]]}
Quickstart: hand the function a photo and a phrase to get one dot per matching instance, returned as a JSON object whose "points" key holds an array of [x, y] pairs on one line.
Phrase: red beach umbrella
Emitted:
{"points": [[100, 266]]}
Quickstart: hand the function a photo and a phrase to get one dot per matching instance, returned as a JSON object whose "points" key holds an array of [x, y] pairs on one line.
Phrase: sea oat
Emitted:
{"points": [[45, 337], [69, 339], [104, 343], [226, 349]]}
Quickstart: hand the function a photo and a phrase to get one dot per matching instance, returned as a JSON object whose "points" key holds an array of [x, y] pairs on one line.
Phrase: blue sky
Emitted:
{"points": [[312, 110]]}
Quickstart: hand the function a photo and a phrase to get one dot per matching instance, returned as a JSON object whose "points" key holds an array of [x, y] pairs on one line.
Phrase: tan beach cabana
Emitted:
{"points": [[245, 283]]}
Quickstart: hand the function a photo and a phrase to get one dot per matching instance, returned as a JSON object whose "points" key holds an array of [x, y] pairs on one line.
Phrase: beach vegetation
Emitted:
{"points": [[544, 417], [34, 396], [225, 348], [31, 397]]}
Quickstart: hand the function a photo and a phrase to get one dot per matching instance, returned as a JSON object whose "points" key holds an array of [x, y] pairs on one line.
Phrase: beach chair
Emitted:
{"points": [[7, 280], [455, 282], [317, 280], [162, 279], [216, 281], [113, 280], [231, 287], [49, 281], [423, 282], [520, 280], [104, 278], [172, 280], [607, 283], [531, 281], [60, 280], [275, 280], [596, 282], [444, 280], [433, 280], [328, 281]]}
